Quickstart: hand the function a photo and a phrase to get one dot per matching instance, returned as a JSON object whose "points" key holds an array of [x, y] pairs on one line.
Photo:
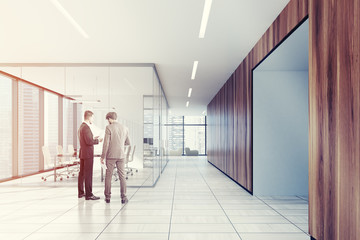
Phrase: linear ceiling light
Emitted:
{"points": [[189, 93], [187, 104], [69, 18], [205, 18], [194, 70]]}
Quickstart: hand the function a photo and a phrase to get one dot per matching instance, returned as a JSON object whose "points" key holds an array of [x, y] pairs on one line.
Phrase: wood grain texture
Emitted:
{"points": [[229, 112], [334, 111], [334, 168]]}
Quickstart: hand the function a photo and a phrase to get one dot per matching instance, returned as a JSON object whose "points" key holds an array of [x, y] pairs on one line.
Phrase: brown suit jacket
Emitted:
{"points": [[87, 142]]}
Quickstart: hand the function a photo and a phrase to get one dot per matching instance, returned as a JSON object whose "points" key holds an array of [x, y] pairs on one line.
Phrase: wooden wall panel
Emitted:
{"points": [[334, 168], [230, 90], [229, 145], [334, 110]]}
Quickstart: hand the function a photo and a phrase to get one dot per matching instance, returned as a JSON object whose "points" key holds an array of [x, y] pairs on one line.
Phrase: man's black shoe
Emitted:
{"points": [[124, 201], [107, 200], [92, 198], [81, 195]]}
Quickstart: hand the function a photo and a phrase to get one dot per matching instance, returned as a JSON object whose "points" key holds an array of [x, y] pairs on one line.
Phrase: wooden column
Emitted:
{"points": [[334, 211]]}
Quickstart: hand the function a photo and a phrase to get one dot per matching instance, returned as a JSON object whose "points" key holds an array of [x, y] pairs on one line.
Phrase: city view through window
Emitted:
{"points": [[187, 132]]}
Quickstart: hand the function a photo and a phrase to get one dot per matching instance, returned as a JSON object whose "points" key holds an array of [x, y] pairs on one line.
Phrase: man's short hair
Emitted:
{"points": [[88, 114], [111, 115]]}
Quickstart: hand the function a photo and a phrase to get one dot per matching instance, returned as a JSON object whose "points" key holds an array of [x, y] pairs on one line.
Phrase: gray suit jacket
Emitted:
{"points": [[116, 137]]}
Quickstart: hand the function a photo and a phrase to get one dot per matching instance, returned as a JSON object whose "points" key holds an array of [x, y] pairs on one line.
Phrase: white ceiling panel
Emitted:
{"points": [[140, 31]]}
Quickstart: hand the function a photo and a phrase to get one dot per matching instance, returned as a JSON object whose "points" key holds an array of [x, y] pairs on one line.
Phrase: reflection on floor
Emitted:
{"points": [[192, 200], [144, 177]]}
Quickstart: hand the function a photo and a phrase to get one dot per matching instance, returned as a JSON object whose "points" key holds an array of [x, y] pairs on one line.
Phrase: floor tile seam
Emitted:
{"points": [[283, 216], [122, 207], [172, 204], [21, 208], [46, 224], [218, 202]]}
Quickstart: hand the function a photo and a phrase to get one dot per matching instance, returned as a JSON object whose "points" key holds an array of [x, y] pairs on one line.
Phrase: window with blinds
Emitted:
{"points": [[29, 129], [51, 125], [6, 127], [68, 124]]}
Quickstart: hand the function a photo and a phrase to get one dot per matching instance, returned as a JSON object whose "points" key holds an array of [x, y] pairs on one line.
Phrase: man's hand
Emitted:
{"points": [[102, 160], [100, 139]]}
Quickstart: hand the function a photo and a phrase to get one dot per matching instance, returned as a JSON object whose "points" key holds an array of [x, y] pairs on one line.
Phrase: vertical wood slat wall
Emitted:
{"points": [[334, 110], [334, 106], [229, 112]]}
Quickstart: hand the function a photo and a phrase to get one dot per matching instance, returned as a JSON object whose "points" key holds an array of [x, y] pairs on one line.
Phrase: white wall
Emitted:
{"points": [[280, 131]]}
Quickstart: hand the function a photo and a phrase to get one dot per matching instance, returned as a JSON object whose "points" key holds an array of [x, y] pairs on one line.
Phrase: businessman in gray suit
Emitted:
{"points": [[116, 137]]}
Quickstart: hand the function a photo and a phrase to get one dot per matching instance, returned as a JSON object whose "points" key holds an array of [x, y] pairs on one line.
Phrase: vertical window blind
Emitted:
{"points": [[29, 129]]}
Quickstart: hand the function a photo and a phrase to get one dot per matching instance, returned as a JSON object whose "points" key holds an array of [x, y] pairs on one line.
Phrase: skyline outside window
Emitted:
{"points": [[29, 129], [187, 131]]}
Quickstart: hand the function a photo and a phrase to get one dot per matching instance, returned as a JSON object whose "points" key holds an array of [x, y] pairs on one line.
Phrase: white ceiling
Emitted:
{"points": [[141, 31]]}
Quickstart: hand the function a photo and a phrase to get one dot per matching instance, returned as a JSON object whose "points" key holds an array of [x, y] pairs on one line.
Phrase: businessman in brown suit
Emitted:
{"points": [[116, 137], [87, 142]]}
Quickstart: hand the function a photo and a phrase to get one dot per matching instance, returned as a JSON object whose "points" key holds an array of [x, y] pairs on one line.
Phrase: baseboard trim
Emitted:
{"points": [[231, 178]]}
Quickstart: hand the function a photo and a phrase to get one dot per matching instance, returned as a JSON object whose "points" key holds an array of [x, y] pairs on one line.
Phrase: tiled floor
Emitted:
{"points": [[192, 200]]}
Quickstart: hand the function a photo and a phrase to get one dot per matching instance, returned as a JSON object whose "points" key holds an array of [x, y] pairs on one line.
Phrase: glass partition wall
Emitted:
{"points": [[136, 95], [30, 120], [49, 114], [155, 132]]}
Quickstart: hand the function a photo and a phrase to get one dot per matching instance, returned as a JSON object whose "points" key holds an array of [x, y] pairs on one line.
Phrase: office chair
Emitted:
{"points": [[127, 150], [65, 161], [130, 159], [47, 161], [74, 161]]}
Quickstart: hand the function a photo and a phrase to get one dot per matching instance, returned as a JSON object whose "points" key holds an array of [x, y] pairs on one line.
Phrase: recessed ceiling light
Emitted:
{"points": [[69, 18], [189, 93], [205, 18], [194, 70], [187, 104]]}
